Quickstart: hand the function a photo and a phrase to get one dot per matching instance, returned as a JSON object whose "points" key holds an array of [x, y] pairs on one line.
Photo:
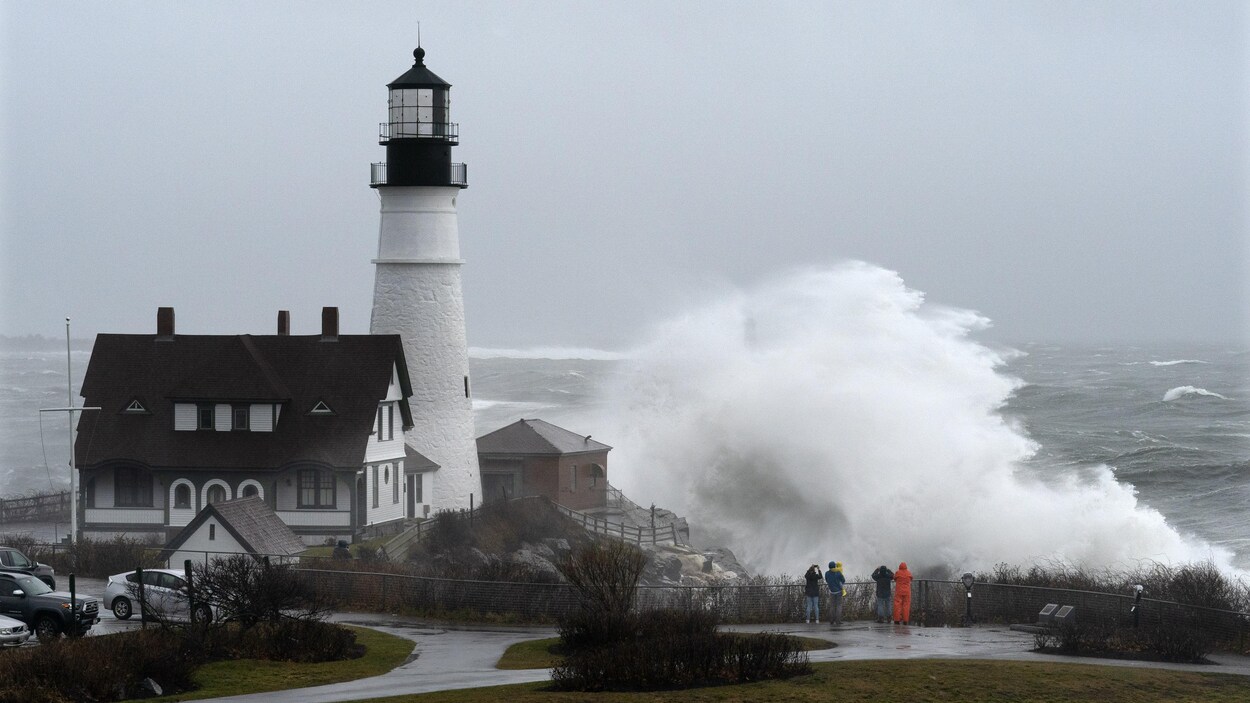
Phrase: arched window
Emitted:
{"points": [[216, 494], [250, 490], [182, 496]]}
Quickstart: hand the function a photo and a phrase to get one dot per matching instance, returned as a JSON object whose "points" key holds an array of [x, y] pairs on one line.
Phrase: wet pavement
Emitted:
{"points": [[449, 657], [446, 658]]}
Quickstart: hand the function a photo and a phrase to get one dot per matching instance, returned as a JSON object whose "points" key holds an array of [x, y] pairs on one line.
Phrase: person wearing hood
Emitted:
{"points": [[836, 581], [884, 578], [811, 589], [902, 594]]}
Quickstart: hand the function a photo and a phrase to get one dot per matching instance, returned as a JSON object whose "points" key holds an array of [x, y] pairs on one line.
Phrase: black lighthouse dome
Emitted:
{"points": [[419, 133]]}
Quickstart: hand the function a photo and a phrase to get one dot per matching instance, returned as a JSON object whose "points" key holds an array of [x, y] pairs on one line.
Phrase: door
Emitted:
{"points": [[410, 488]]}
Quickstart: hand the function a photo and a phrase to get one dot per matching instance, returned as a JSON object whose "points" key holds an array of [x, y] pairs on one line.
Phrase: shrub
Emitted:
{"points": [[1176, 642], [88, 556], [99, 668], [298, 641], [668, 649]]}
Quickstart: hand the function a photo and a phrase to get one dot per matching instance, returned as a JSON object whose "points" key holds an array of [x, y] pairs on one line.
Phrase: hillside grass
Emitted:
{"points": [[912, 680]]}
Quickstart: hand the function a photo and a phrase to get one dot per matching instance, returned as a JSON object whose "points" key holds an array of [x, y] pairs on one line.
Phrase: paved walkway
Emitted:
{"points": [[446, 658]]}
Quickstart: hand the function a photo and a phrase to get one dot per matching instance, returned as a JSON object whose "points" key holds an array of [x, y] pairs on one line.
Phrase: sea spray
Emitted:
{"points": [[833, 414]]}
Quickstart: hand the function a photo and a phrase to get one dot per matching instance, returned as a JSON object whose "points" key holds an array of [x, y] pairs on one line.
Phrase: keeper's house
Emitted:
{"points": [[312, 425]]}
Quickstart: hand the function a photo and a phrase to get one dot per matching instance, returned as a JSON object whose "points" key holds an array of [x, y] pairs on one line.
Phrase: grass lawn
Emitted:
{"points": [[915, 680], [545, 653], [383, 652]]}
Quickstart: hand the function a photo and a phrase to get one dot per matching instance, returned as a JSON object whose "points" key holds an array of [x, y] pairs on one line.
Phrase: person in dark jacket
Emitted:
{"points": [[837, 588], [341, 551], [811, 589], [884, 578]]}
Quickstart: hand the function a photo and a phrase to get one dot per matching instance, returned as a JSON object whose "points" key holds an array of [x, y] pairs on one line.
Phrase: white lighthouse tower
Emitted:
{"points": [[416, 291]]}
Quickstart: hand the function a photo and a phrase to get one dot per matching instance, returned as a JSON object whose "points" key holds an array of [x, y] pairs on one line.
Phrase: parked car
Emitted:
{"points": [[45, 611], [13, 560], [12, 632], [164, 590]]}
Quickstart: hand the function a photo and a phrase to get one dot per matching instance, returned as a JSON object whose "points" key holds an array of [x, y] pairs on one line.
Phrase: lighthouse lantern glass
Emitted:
{"points": [[419, 112]]}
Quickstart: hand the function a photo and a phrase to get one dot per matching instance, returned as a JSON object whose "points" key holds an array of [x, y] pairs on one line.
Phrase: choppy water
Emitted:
{"points": [[1171, 422]]}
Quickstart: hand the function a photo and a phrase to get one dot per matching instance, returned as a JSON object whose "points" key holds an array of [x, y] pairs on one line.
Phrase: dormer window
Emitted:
{"points": [[386, 422], [321, 409], [240, 418]]}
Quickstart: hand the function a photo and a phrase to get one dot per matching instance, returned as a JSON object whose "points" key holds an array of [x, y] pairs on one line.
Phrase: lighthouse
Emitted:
{"points": [[417, 292]]}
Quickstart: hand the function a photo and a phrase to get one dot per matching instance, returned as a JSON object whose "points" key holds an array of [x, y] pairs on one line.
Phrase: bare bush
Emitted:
{"points": [[605, 574], [240, 588]]}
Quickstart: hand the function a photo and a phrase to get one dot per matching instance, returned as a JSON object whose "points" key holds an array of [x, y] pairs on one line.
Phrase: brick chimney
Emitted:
{"points": [[329, 324], [164, 322], [284, 323]]}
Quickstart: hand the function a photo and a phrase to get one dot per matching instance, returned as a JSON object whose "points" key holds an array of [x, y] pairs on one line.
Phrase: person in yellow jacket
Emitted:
{"points": [[837, 588], [902, 594]]}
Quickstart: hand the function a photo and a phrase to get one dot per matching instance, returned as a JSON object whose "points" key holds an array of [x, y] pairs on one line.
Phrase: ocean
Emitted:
{"points": [[880, 429]]}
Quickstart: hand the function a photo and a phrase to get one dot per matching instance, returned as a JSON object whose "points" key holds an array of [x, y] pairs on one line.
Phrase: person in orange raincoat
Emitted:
{"points": [[902, 594]]}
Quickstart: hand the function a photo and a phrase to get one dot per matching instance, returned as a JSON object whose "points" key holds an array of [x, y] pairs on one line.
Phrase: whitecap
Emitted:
{"points": [[547, 353], [1182, 391], [1174, 362]]}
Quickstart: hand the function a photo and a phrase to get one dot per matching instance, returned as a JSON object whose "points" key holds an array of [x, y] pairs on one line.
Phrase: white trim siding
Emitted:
{"points": [[260, 418], [316, 518], [131, 516], [222, 417], [185, 418]]}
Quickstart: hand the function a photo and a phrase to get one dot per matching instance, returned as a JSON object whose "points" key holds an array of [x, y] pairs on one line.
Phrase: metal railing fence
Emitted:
{"points": [[935, 603]]}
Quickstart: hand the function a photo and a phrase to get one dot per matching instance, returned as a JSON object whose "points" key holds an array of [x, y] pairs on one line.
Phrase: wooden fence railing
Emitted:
{"points": [[50, 506], [629, 533], [397, 547]]}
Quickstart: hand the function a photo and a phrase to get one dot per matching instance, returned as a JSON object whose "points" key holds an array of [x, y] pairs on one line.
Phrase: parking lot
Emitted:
{"points": [[94, 588]]}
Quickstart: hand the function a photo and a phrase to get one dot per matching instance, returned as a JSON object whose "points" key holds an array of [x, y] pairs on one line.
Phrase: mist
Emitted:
{"points": [[834, 414]]}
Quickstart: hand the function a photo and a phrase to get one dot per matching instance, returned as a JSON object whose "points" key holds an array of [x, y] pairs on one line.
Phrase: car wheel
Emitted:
{"points": [[46, 628], [202, 615], [121, 608]]}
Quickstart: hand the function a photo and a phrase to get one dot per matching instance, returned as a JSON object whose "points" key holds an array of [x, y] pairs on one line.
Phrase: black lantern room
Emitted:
{"points": [[419, 133]]}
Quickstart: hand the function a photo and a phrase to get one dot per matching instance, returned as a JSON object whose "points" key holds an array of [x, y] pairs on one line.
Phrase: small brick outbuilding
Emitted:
{"points": [[534, 457]]}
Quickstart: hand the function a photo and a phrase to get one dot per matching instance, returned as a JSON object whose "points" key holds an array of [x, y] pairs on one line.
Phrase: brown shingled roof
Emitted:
{"points": [[350, 375], [536, 437], [251, 522]]}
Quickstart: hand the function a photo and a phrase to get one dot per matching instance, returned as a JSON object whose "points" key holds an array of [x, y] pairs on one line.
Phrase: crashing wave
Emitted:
{"points": [[1183, 391], [836, 414]]}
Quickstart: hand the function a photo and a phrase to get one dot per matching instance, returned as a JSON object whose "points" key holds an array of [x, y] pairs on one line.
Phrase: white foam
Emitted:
{"points": [[1183, 391], [1177, 361], [547, 353], [834, 414]]}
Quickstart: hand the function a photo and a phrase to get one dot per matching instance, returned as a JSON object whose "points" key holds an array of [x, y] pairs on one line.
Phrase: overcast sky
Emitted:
{"points": [[1074, 171]]}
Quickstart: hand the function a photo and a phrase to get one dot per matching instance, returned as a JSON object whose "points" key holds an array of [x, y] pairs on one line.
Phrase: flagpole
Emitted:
{"points": [[73, 470]]}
